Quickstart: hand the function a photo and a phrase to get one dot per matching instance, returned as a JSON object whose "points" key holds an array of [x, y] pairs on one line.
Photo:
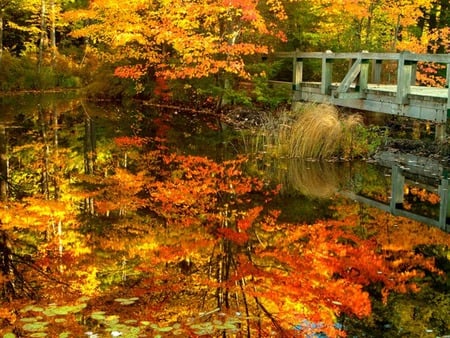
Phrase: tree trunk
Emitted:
{"points": [[89, 146], [53, 30], [42, 35], [3, 165], [1, 34], [45, 186]]}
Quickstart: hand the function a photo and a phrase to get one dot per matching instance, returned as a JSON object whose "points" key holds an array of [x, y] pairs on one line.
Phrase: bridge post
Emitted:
{"points": [[376, 71], [363, 73], [297, 76], [444, 207], [404, 76], [397, 184], [440, 133], [327, 72], [448, 89]]}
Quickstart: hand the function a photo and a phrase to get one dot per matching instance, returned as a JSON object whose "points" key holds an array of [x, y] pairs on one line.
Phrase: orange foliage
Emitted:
{"points": [[127, 141], [298, 272], [182, 39], [208, 241]]}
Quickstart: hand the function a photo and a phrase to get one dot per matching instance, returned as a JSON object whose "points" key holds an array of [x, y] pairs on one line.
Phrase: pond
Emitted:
{"points": [[138, 221]]}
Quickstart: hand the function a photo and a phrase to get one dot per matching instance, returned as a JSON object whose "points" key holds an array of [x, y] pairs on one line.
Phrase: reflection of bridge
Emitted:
{"points": [[358, 90], [423, 172]]}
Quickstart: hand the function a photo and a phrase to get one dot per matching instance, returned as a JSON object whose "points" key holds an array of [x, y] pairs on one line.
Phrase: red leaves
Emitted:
{"points": [[248, 220], [239, 238], [130, 72], [162, 89], [127, 141]]}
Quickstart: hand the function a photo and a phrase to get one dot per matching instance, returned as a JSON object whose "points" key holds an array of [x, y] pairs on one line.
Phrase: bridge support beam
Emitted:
{"points": [[404, 78], [444, 205], [398, 183], [327, 74], [298, 72], [440, 132]]}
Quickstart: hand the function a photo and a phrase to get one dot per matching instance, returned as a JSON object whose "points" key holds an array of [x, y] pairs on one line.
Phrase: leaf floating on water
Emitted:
{"points": [[32, 308], [113, 319], [203, 328], [36, 326], [126, 301], [29, 319], [63, 310], [83, 299], [9, 335], [98, 315]]}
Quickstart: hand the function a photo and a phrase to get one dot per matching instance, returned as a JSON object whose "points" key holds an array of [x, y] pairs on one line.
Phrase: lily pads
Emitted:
{"points": [[9, 335], [126, 301], [63, 310], [98, 315], [34, 308], [35, 326]]}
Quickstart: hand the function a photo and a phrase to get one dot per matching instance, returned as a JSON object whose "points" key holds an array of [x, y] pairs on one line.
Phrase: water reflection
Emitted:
{"points": [[185, 272], [401, 184]]}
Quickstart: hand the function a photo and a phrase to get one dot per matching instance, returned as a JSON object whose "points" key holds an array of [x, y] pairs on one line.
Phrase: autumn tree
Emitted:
{"points": [[182, 39], [387, 25]]}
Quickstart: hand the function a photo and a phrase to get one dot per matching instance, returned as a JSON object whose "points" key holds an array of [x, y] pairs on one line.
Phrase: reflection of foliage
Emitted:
{"points": [[406, 243], [373, 182], [163, 242], [228, 249]]}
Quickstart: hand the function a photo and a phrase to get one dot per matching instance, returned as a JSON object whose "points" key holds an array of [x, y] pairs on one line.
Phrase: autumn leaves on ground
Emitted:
{"points": [[154, 243]]}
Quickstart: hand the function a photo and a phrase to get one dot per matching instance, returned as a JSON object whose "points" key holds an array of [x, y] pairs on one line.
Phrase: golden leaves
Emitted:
{"points": [[208, 37]]}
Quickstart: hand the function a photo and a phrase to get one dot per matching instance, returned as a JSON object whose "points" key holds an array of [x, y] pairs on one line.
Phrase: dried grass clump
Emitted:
{"points": [[317, 131], [320, 133]]}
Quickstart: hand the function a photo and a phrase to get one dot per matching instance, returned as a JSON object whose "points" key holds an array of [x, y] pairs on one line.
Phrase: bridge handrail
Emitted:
{"points": [[407, 56]]}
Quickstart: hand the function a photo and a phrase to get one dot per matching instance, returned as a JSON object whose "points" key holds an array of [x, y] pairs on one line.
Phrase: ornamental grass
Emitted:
{"points": [[316, 131]]}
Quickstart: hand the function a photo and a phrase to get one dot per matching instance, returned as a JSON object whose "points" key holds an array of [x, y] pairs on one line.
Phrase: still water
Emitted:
{"points": [[395, 195]]}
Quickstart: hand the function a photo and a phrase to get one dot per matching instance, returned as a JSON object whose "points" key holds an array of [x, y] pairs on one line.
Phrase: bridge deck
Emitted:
{"points": [[425, 103]]}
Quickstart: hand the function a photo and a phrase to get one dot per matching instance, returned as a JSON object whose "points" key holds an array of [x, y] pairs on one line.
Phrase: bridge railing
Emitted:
{"points": [[359, 70]]}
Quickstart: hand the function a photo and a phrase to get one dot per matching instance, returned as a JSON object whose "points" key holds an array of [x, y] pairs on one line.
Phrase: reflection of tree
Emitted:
{"points": [[13, 282], [89, 145], [32, 220], [244, 261], [3, 164], [190, 238]]}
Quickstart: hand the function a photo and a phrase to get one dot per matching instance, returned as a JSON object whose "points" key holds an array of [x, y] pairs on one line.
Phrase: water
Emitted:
{"points": [[52, 142]]}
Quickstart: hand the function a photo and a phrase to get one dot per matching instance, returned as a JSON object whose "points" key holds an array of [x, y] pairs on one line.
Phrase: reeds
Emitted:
{"points": [[317, 131]]}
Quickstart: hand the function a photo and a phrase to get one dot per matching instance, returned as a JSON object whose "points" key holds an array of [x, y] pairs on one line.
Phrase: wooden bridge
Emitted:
{"points": [[370, 85]]}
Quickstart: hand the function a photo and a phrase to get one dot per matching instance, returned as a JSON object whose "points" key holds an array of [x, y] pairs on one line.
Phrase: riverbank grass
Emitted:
{"points": [[317, 131]]}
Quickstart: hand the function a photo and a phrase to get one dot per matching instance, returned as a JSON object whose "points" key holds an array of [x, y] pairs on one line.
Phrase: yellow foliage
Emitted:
{"points": [[88, 282]]}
